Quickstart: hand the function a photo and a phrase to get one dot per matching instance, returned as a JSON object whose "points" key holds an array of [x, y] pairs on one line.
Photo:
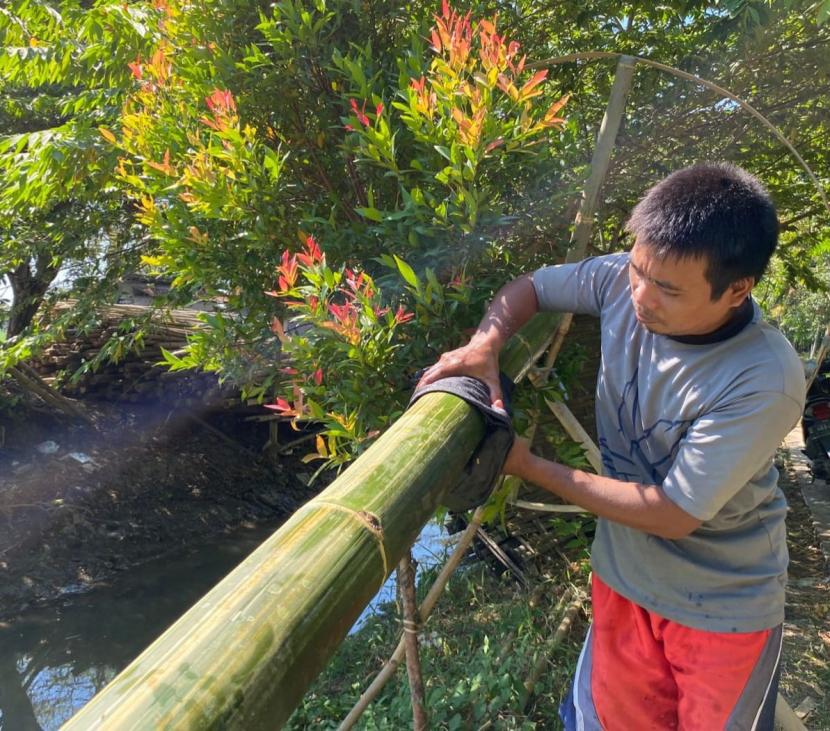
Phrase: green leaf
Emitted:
{"points": [[407, 272], [373, 214], [273, 163], [444, 152]]}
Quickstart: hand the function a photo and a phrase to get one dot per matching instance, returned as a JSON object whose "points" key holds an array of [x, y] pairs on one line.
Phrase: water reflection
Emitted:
{"points": [[52, 661]]}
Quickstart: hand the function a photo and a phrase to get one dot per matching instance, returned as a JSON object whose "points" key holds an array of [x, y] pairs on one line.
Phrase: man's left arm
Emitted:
{"points": [[720, 453], [644, 507]]}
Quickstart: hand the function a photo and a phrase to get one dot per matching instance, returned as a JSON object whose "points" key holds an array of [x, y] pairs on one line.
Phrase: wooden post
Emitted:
{"points": [[411, 625], [599, 168], [424, 611]]}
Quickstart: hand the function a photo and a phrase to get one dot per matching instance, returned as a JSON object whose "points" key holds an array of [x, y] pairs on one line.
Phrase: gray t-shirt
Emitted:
{"points": [[703, 421]]}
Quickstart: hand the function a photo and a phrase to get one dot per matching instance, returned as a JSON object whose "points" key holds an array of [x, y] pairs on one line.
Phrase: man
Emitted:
{"points": [[694, 394]]}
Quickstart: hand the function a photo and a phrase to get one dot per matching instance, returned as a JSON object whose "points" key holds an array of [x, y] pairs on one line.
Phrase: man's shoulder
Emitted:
{"points": [[770, 360], [617, 261], [582, 287]]}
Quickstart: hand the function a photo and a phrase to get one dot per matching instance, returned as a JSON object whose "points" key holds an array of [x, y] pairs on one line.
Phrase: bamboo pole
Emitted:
{"points": [[242, 657], [411, 624], [391, 665], [600, 161], [593, 55]]}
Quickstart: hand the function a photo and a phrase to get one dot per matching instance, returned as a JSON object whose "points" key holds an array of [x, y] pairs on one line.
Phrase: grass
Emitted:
{"points": [[486, 634], [477, 650]]}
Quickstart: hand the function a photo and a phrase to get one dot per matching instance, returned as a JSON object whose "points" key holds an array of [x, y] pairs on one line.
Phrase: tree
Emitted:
{"points": [[207, 141], [63, 73]]}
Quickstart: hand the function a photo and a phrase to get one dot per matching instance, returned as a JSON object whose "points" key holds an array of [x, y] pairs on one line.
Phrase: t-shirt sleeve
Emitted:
{"points": [[580, 288], [723, 450]]}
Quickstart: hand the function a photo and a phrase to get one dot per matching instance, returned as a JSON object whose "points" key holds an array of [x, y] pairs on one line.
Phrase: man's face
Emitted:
{"points": [[673, 297]]}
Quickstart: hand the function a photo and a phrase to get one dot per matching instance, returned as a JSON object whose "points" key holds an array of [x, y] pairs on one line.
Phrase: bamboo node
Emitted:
{"points": [[368, 520]]}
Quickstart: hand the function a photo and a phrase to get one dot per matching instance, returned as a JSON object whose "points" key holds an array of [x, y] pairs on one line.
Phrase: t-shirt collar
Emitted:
{"points": [[741, 317]]}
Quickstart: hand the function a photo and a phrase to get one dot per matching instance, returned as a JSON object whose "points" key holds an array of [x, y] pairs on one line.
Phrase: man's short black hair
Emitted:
{"points": [[712, 210]]}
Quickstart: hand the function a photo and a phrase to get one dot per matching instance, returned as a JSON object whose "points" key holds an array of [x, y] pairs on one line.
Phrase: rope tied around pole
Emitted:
{"points": [[368, 520]]}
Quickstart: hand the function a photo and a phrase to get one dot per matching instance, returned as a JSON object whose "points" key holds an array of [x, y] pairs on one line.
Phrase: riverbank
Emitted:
{"points": [[81, 503]]}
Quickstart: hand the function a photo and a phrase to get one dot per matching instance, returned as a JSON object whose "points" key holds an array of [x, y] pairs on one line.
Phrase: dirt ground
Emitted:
{"points": [[805, 668], [80, 504]]}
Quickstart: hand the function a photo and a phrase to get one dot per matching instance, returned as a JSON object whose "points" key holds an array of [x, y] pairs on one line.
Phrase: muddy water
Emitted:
{"points": [[52, 661]]}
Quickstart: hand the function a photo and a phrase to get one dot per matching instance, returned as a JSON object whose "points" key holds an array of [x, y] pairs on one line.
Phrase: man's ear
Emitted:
{"points": [[739, 290]]}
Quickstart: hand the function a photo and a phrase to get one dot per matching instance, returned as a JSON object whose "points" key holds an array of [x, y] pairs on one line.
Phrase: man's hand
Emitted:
{"points": [[513, 305], [474, 359]]}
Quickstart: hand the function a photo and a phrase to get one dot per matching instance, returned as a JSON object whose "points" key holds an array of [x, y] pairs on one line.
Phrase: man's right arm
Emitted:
{"points": [[513, 305]]}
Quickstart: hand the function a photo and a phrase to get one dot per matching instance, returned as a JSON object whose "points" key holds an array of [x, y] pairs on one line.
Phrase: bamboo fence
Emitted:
{"points": [[243, 656]]}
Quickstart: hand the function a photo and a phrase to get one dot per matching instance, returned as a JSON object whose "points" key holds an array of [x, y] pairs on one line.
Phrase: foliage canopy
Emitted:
{"points": [[207, 143]]}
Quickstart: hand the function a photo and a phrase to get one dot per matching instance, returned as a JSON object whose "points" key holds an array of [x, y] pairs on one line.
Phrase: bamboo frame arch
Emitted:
{"points": [[595, 55]]}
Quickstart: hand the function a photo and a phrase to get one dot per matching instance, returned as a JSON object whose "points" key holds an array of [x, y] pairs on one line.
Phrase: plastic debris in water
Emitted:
{"points": [[81, 457]]}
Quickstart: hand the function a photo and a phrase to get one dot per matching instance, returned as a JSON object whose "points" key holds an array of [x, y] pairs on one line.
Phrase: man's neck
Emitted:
{"points": [[739, 318]]}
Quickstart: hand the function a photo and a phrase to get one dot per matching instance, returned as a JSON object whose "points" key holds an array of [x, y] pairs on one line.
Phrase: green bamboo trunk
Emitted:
{"points": [[243, 656]]}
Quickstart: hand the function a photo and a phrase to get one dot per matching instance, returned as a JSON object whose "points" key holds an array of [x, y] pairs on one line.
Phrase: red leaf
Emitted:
{"points": [[402, 316], [282, 406], [136, 68]]}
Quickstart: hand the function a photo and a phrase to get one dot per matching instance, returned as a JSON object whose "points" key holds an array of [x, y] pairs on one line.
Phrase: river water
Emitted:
{"points": [[52, 661]]}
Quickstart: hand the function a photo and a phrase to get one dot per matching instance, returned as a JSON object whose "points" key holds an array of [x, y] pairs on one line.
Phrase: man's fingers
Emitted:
{"points": [[496, 397]]}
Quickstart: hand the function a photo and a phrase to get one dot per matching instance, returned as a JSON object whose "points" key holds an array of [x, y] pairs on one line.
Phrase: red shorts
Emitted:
{"points": [[641, 672]]}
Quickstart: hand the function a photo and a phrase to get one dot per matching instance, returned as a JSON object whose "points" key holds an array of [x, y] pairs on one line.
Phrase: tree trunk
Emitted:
{"points": [[28, 290]]}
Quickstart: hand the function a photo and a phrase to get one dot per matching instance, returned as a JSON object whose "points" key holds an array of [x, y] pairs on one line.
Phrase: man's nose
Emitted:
{"points": [[643, 295]]}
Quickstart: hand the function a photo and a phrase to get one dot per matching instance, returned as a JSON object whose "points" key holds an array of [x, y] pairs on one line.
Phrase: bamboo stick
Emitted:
{"points": [[583, 223], [785, 718], [549, 507], [576, 432], [539, 666], [501, 556], [242, 657], [591, 55], [424, 610], [31, 381], [411, 624], [600, 161]]}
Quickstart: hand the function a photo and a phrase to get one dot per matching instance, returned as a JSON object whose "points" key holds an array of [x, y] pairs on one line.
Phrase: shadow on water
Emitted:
{"points": [[53, 660]]}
